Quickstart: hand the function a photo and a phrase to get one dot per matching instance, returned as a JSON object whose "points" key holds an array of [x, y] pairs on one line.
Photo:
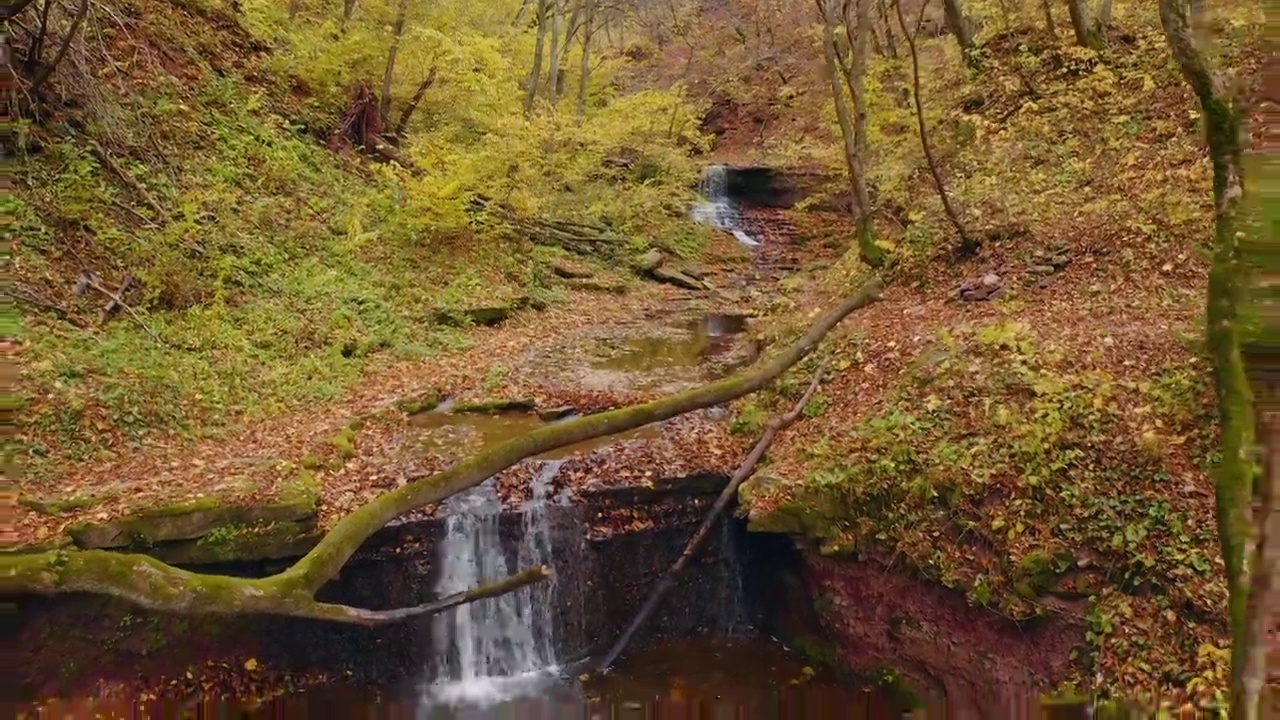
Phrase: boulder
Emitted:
{"points": [[569, 270], [671, 276], [650, 261]]}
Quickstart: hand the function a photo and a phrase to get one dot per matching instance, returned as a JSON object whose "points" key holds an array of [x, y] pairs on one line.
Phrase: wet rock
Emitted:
{"points": [[417, 403], [494, 406], [193, 519], [556, 413], [570, 270]]}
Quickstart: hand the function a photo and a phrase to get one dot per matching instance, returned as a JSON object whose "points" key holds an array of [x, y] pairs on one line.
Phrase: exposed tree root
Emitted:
{"points": [[153, 584], [726, 496]]}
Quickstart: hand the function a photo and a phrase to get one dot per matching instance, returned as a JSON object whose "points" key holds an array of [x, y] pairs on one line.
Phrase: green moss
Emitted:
{"points": [[345, 443], [419, 403], [496, 405], [58, 506], [992, 465]]}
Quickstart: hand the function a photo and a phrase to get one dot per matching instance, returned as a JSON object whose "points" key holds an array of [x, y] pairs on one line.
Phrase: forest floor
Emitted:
{"points": [[592, 352]]}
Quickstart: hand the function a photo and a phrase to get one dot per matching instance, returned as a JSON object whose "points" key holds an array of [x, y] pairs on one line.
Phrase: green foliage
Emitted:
{"points": [[281, 271], [998, 466]]}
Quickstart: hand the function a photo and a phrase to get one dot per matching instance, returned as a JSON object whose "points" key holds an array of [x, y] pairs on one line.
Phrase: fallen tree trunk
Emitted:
{"points": [[726, 496], [148, 582]]}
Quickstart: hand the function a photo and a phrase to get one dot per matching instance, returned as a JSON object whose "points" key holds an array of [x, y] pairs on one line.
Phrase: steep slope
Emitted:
{"points": [[1032, 428]]}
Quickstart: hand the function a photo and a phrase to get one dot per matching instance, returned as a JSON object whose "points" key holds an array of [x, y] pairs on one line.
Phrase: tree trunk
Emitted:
{"points": [[153, 584], [294, 6], [1104, 16], [535, 76], [584, 71], [384, 104], [890, 43], [960, 25], [46, 71], [968, 246], [524, 10], [857, 27], [1082, 23], [1233, 484], [553, 72], [402, 126], [348, 9], [1047, 7]]}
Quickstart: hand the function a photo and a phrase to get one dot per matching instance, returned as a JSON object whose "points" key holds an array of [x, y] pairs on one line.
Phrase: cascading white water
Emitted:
{"points": [[715, 208], [491, 649]]}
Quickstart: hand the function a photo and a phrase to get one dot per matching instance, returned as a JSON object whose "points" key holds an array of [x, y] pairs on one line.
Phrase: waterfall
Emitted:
{"points": [[715, 208], [492, 649]]}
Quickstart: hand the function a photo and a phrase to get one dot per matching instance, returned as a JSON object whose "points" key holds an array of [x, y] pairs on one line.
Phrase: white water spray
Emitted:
{"points": [[493, 649], [716, 209]]}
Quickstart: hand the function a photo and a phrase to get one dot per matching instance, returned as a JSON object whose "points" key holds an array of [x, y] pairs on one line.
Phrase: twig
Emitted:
{"points": [[23, 295], [137, 187], [89, 279], [726, 496]]}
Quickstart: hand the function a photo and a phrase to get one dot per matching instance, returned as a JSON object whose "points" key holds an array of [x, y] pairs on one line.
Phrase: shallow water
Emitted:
{"points": [[712, 679]]}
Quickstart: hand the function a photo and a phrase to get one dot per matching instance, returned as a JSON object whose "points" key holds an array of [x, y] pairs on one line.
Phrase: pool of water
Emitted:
{"points": [[712, 679]]}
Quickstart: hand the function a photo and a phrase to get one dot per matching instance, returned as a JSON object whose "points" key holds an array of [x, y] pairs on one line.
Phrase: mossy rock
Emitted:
{"points": [[487, 315], [496, 405], [345, 442], [238, 544], [193, 519], [597, 285], [425, 401]]}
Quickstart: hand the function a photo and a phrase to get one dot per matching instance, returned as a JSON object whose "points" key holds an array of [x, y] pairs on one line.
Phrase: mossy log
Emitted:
{"points": [[154, 584]]}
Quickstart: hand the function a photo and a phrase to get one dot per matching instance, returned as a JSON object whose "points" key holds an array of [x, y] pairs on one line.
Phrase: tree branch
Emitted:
{"points": [[46, 71], [151, 583], [726, 496]]}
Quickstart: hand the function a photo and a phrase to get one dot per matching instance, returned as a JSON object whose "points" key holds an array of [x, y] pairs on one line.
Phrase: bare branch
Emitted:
{"points": [[46, 71], [727, 495]]}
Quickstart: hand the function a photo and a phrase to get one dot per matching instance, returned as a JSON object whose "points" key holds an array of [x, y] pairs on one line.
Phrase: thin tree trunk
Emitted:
{"points": [[1233, 482], [584, 71], [46, 71], [384, 103], [1047, 7], [857, 28], [524, 10], [960, 25], [402, 126], [968, 245], [1104, 15], [1082, 23], [867, 249], [348, 9], [535, 76], [726, 496], [294, 6], [553, 72], [890, 43]]}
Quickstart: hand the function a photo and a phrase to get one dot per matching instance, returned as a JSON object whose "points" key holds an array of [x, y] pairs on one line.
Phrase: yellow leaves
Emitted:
{"points": [[251, 664]]}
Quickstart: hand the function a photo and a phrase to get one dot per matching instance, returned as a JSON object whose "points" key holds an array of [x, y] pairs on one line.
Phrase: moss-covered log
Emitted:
{"points": [[154, 584]]}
